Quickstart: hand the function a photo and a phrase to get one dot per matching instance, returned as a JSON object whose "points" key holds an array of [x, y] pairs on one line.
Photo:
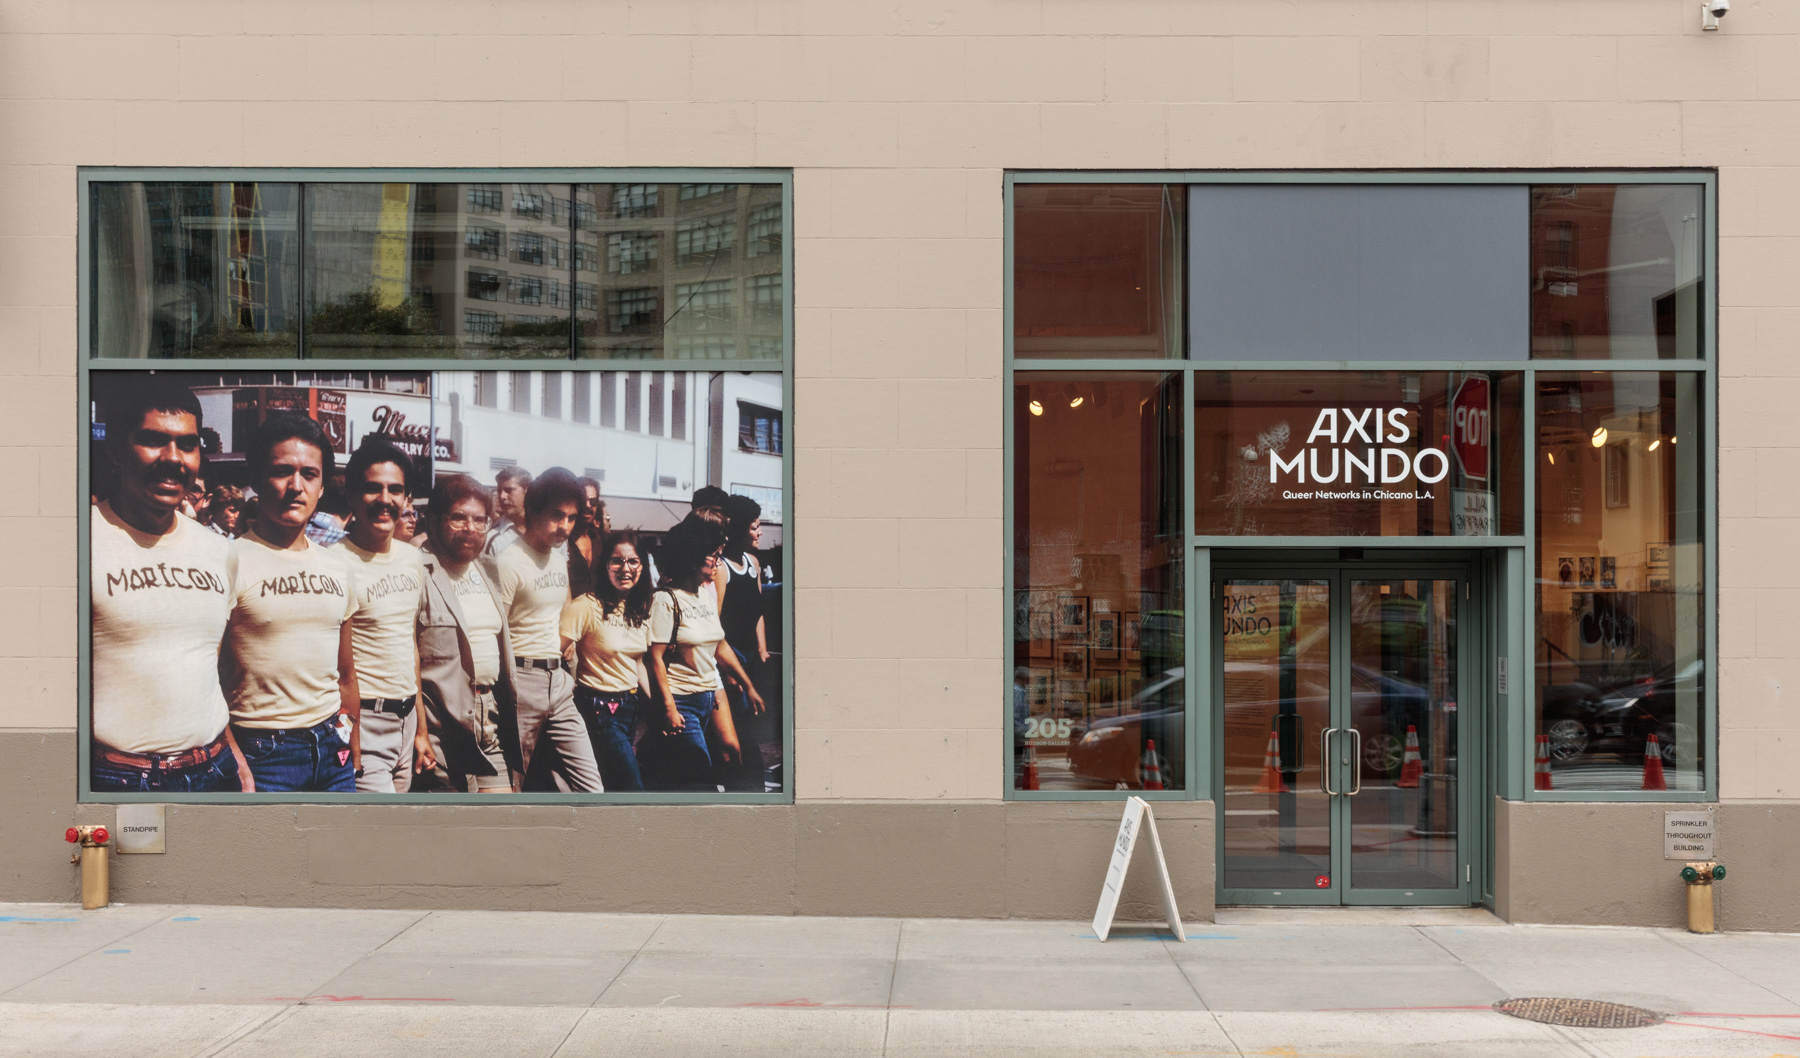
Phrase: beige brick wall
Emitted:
{"points": [[899, 118]]}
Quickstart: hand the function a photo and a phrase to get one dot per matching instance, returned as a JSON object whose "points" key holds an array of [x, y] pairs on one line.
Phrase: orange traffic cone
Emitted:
{"points": [[1152, 770], [1653, 766], [1411, 767], [1544, 779], [1028, 775], [1272, 781]]}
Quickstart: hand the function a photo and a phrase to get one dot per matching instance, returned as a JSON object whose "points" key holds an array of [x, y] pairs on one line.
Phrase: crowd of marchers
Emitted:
{"points": [[320, 632]]}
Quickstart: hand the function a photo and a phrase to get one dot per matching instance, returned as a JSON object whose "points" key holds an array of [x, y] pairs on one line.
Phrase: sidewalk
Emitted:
{"points": [[139, 981]]}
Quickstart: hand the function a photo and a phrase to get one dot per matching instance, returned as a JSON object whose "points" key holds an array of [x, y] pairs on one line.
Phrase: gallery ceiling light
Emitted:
{"points": [[1599, 436], [1654, 445], [1551, 456], [1037, 407], [1076, 403]]}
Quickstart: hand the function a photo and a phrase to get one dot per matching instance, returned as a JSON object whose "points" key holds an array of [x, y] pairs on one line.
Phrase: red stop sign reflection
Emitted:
{"points": [[1469, 426]]}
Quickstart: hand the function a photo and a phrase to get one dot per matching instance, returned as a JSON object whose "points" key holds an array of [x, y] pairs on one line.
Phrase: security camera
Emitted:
{"points": [[1713, 10]]}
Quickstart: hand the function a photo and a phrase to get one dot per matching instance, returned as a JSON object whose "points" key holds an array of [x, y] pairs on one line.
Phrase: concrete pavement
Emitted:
{"points": [[233, 981]]}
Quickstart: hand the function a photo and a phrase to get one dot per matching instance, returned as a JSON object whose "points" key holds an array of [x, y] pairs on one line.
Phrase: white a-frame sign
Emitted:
{"points": [[1137, 818]]}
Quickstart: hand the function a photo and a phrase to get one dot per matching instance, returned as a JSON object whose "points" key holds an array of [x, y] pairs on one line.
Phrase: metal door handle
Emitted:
{"points": [[1325, 760], [1355, 762]]}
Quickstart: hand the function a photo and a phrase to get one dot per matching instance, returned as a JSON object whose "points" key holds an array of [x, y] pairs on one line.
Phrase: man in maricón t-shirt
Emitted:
{"points": [[290, 674], [159, 585], [389, 575], [554, 749]]}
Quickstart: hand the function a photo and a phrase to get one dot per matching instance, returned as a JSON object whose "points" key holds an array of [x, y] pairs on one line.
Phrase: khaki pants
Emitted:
{"points": [[387, 752], [554, 751]]}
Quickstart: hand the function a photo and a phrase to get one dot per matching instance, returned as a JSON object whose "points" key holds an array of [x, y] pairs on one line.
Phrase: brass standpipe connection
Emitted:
{"points": [[92, 857], [1699, 878]]}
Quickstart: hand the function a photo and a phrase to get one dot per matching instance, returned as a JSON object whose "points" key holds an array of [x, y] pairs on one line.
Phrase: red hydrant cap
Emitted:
{"points": [[71, 835], [99, 835]]}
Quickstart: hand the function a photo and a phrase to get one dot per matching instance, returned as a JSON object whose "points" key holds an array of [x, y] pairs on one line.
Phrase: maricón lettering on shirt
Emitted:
{"points": [[390, 584], [302, 584], [161, 576]]}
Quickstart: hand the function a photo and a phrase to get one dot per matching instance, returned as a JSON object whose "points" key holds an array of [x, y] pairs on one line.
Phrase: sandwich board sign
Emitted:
{"points": [[1138, 818]]}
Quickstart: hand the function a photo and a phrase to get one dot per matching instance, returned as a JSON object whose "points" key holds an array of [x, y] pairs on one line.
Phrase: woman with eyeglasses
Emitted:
{"points": [[684, 661], [605, 631]]}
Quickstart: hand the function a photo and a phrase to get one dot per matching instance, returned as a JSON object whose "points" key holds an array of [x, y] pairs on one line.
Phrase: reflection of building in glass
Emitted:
{"points": [[649, 437], [195, 269], [1616, 271], [689, 271]]}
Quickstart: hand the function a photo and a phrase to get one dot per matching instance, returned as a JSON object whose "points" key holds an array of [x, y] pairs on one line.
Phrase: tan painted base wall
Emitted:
{"points": [[950, 859], [1602, 864]]}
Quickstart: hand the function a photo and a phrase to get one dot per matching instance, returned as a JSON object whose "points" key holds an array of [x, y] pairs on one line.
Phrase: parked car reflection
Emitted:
{"points": [[1584, 721]]}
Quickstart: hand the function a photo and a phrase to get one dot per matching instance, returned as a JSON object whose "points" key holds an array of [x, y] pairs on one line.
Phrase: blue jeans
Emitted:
{"points": [[611, 723], [678, 760], [286, 759], [219, 775]]}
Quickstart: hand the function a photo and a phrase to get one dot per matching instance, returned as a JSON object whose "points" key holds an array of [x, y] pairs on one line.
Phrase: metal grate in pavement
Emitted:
{"points": [[1580, 1013]]}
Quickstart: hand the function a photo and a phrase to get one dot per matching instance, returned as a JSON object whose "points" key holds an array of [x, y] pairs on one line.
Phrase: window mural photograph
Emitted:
{"points": [[436, 583]]}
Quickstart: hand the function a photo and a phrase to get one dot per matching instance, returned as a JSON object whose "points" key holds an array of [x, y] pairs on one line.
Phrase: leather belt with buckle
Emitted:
{"points": [[399, 707], [548, 664], [187, 758]]}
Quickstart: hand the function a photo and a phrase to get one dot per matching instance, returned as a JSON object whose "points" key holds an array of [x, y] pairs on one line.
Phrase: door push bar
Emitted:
{"points": [[1325, 761]]}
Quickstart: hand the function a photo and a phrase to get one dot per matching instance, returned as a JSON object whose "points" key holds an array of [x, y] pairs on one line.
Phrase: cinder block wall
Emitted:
{"points": [[899, 118]]}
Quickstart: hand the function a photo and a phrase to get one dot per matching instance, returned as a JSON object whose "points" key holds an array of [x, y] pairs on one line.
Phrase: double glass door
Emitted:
{"points": [[1343, 742]]}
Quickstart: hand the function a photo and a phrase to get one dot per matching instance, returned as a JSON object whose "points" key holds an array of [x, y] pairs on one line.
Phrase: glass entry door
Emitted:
{"points": [[1342, 735]]}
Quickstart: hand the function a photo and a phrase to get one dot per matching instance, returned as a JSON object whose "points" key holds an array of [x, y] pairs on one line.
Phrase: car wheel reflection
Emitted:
{"points": [[1383, 753], [1568, 739]]}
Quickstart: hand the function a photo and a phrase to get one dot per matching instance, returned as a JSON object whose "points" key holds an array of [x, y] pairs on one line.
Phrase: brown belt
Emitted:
{"points": [[187, 758]]}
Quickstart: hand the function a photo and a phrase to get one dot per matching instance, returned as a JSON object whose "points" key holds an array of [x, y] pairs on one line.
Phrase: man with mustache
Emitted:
{"points": [[159, 595], [533, 578], [465, 653], [289, 668], [389, 576]]}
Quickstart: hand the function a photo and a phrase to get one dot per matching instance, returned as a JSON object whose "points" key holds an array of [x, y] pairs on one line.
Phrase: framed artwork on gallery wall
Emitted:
{"points": [[1103, 636], [1072, 663], [1072, 616], [1131, 631]]}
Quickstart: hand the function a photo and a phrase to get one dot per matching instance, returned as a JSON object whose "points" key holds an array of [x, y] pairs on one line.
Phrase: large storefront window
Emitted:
{"points": [[343, 576], [1370, 453], [1099, 696], [1620, 605], [471, 271]]}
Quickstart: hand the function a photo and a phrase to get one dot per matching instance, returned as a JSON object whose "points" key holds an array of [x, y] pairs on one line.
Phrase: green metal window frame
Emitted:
{"points": [[88, 365], [1515, 556]]}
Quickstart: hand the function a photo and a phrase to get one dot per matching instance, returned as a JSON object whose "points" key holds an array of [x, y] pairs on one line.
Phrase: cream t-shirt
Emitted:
{"points": [[693, 661], [534, 585], [159, 609], [383, 625], [607, 646], [481, 620], [281, 646]]}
